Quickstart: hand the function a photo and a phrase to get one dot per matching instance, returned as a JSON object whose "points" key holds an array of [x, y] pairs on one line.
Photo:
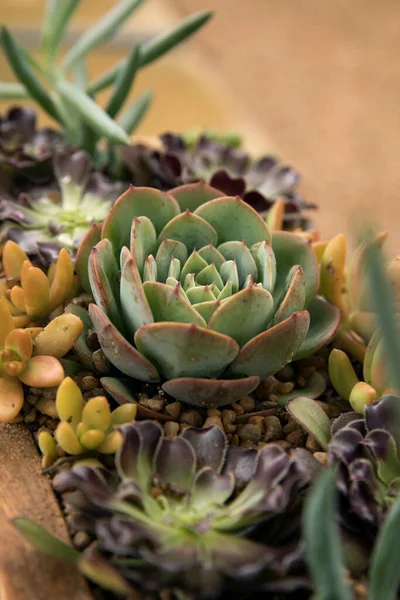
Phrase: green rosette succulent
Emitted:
{"points": [[178, 512], [191, 289]]}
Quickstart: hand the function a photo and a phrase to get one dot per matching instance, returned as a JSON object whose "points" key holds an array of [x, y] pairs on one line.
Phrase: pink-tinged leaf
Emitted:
{"points": [[123, 394], [92, 237], [210, 393], [271, 350], [119, 351], [20, 342], [324, 321], [43, 371], [312, 418], [185, 350], [158, 206], [11, 398], [192, 195]]}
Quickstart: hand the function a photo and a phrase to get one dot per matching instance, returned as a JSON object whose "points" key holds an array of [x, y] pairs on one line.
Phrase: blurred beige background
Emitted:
{"points": [[316, 81]]}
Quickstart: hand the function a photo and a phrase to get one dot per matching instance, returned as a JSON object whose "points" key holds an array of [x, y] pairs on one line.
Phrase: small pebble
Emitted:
{"points": [[228, 417], [92, 340], [17, 419], [249, 433], [312, 444], [274, 430], [321, 457], [235, 440], [301, 381], [183, 426], [286, 374], [331, 410], [258, 420], [285, 387], [248, 444], [93, 393], [51, 424], [291, 426], [50, 393], [192, 418], [173, 409], [283, 444], [31, 399], [239, 410], [36, 391], [47, 407], [248, 404], [267, 387], [296, 438], [213, 412], [100, 361], [156, 403], [81, 540], [171, 429], [89, 383], [31, 415], [210, 421], [230, 429]]}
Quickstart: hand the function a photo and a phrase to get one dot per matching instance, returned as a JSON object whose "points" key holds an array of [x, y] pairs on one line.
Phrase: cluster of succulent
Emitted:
{"points": [[59, 214], [220, 163], [178, 512], [193, 290], [84, 427]]}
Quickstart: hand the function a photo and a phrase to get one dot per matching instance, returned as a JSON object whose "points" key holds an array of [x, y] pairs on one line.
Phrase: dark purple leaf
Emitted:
{"points": [[209, 444]]}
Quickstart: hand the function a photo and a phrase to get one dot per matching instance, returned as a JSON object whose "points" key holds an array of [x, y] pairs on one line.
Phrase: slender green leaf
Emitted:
{"points": [[384, 306], [166, 41], [80, 74], [13, 91], [384, 574], [24, 73], [154, 49], [134, 113], [308, 413], [91, 113], [57, 16], [101, 31], [43, 540], [323, 542], [123, 82]]}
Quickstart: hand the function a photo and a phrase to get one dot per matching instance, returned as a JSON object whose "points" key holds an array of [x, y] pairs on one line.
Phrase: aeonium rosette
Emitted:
{"points": [[191, 289]]}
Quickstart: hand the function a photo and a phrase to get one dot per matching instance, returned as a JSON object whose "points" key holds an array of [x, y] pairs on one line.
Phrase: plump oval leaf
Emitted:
{"points": [[191, 230], [312, 417], [192, 195], [184, 350], [234, 219], [324, 321], [210, 393]]}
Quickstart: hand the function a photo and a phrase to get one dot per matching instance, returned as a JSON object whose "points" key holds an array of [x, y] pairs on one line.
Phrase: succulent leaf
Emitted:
{"points": [[42, 371], [12, 398], [59, 336], [192, 195], [324, 321], [210, 393], [197, 352]]}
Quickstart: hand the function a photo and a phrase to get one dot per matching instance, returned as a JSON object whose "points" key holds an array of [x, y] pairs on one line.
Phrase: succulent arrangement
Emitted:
{"points": [[215, 390], [223, 164]]}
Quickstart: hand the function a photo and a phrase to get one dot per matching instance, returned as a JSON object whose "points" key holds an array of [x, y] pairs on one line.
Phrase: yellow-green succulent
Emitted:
{"points": [[84, 427]]}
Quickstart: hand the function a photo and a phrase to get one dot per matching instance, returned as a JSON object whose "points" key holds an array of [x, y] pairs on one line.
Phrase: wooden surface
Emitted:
{"points": [[26, 574]]}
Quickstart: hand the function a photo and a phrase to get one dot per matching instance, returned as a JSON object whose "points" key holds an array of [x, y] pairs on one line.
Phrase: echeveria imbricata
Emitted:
{"points": [[191, 289]]}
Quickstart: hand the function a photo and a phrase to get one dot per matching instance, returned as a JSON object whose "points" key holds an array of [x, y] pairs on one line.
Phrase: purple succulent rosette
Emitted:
{"points": [[179, 508], [25, 151], [59, 215], [191, 289], [231, 170], [366, 453]]}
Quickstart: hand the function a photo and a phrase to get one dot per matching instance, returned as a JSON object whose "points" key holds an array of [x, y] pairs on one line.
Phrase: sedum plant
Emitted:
{"points": [[220, 163], [84, 427], [31, 357], [178, 511], [28, 292], [60, 87], [191, 287], [60, 215]]}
